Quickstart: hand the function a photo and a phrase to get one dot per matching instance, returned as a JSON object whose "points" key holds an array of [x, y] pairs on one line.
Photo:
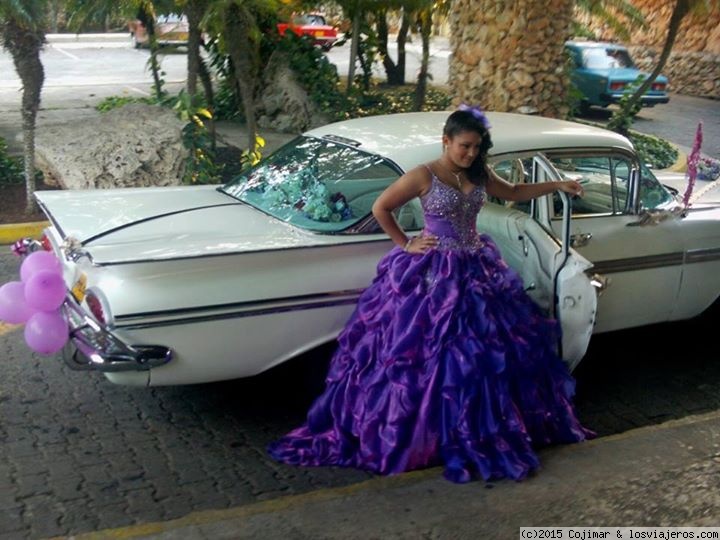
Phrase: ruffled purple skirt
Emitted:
{"points": [[446, 360]]}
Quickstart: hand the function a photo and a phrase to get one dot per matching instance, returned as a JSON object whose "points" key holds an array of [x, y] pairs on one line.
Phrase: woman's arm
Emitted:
{"points": [[412, 184], [497, 187]]}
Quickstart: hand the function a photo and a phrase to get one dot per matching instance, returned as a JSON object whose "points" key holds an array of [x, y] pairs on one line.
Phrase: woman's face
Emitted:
{"points": [[463, 148]]}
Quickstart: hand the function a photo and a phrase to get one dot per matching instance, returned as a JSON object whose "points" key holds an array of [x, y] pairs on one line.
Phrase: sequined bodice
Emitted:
{"points": [[451, 215]]}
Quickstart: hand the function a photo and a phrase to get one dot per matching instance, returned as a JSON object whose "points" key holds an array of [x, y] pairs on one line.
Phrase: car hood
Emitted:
{"points": [[121, 225]]}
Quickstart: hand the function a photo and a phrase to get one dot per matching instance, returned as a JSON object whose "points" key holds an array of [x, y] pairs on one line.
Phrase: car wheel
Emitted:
{"points": [[584, 107]]}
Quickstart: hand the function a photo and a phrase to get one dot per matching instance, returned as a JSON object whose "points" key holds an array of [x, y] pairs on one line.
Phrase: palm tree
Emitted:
{"points": [[22, 30], [616, 14]]}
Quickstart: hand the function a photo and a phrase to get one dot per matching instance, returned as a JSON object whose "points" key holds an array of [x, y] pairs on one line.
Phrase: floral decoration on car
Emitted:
{"points": [[305, 193]]}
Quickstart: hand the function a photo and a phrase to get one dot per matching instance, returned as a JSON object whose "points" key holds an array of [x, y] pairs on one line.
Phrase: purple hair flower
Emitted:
{"points": [[477, 112]]}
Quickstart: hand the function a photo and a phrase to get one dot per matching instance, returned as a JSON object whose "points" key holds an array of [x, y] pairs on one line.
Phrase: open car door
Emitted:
{"points": [[554, 274]]}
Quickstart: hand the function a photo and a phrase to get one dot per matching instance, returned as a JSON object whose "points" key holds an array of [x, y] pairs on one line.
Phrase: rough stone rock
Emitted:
{"points": [[136, 145], [285, 105]]}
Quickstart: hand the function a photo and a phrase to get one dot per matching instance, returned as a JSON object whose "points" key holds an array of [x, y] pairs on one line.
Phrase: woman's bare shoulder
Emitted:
{"points": [[420, 177]]}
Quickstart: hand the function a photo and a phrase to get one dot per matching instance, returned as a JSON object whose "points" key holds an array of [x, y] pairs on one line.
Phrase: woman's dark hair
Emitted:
{"points": [[471, 120]]}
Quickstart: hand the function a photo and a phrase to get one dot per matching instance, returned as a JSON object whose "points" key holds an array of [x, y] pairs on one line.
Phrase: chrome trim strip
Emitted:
{"points": [[630, 264], [381, 237], [702, 255], [237, 310]]}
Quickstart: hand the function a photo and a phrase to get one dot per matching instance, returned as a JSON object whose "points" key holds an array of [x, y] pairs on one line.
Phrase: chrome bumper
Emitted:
{"points": [[93, 346]]}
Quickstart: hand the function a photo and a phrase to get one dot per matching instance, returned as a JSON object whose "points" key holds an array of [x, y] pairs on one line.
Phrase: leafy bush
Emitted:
{"points": [[314, 72], [655, 152], [11, 167], [393, 99]]}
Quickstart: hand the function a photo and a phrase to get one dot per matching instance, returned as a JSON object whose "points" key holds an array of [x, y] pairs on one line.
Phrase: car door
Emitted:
{"points": [[554, 274], [641, 261]]}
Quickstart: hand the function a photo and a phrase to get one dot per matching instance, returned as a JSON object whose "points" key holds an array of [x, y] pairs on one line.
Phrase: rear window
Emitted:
{"points": [[607, 58]]}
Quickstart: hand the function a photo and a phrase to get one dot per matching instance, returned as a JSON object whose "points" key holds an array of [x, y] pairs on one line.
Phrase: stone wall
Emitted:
{"points": [[506, 54], [694, 65]]}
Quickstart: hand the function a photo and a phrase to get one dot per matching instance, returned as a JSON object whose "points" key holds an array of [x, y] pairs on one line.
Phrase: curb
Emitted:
{"points": [[680, 165], [14, 232]]}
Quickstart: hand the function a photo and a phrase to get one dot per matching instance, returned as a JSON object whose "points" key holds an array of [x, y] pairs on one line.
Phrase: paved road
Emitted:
{"points": [[79, 454]]}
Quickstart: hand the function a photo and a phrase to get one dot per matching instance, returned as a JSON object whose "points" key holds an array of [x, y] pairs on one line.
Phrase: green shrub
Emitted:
{"points": [[653, 151], [314, 72], [11, 167], [393, 99]]}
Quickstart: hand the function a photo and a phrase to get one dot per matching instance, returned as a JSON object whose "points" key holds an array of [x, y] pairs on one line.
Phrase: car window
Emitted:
{"points": [[515, 170], [653, 194], [311, 20], [316, 184], [172, 18], [606, 58], [605, 180]]}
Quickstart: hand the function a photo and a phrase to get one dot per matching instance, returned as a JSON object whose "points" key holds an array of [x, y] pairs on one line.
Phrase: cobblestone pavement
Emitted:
{"points": [[79, 454]]}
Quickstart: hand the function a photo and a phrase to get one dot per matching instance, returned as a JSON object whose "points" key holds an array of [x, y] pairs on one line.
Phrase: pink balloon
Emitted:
{"points": [[39, 260], [13, 307], [46, 332], [45, 290]]}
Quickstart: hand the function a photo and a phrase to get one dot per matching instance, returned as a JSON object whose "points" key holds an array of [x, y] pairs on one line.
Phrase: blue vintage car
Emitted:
{"points": [[603, 72]]}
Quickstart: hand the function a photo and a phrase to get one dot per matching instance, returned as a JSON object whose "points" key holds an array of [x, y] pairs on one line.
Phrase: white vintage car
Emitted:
{"points": [[186, 285]]}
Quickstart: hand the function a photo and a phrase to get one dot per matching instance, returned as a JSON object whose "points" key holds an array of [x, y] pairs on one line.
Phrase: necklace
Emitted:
{"points": [[458, 180]]}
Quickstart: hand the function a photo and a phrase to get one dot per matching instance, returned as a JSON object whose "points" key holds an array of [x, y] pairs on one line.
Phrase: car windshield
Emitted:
{"points": [[317, 184], [600, 58]]}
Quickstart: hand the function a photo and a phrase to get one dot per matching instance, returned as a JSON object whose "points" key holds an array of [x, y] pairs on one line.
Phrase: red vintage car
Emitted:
{"points": [[312, 25]]}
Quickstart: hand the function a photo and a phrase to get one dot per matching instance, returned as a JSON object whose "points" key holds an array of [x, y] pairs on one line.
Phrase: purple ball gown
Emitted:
{"points": [[446, 360]]}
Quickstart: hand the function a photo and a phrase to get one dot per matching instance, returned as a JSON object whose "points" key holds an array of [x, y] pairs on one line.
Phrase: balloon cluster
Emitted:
{"points": [[35, 301]]}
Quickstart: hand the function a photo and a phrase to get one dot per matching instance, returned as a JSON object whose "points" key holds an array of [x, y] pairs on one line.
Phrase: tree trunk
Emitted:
{"points": [[682, 8], [354, 45], [147, 17], [210, 100], [425, 33], [24, 46], [395, 73], [194, 12], [401, 40], [507, 56], [244, 55]]}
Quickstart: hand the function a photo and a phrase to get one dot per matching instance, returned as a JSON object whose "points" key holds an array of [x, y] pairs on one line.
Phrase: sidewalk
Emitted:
{"points": [[663, 475]]}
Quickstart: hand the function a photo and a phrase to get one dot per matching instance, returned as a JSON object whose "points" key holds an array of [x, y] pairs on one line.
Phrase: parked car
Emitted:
{"points": [[604, 71], [312, 25], [169, 30], [192, 284]]}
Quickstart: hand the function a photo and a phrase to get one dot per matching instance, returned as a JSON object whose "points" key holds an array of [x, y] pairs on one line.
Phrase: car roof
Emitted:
{"points": [[413, 138]]}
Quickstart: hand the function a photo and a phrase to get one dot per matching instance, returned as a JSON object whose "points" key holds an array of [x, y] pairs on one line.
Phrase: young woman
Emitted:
{"points": [[446, 360]]}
